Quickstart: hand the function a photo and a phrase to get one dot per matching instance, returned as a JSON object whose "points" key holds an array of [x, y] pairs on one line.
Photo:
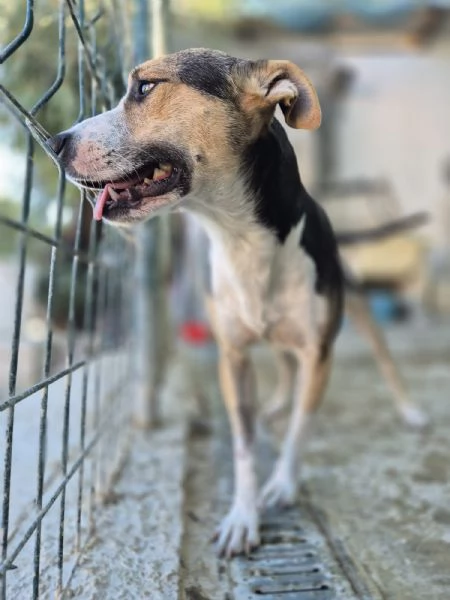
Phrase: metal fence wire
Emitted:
{"points": [[65, 424]]}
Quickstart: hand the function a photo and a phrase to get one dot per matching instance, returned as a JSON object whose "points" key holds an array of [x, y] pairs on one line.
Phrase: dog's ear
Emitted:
{"points": [[265, 84]]}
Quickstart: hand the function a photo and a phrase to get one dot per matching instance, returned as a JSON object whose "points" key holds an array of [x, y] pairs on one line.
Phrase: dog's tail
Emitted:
{"points": [[348, 238]]}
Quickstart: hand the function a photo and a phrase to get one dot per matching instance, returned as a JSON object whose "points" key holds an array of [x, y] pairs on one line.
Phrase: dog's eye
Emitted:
{"points": [[144, 88]]}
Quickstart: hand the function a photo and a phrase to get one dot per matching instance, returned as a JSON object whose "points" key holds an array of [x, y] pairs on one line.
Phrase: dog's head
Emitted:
{"points": [[181, 129]]}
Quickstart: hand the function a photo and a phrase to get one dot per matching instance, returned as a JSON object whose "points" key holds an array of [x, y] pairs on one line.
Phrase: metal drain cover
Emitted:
{"points": [[293, 563]]}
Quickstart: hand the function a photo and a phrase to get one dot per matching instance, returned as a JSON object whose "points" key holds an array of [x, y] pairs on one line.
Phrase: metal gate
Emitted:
{"points": [[65, 422]]}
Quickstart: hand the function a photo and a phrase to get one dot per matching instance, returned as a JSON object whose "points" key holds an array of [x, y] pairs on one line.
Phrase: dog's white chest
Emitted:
{"points": [[266, 289], [240, 284]]}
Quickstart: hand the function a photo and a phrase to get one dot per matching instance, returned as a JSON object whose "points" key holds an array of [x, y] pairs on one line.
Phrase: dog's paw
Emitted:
{"points": [[239, 531], [413, 416], [279, 490]]}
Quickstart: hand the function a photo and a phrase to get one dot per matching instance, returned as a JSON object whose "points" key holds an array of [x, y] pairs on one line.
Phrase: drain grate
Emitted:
{"points": [[299, 558], [291, 563]]}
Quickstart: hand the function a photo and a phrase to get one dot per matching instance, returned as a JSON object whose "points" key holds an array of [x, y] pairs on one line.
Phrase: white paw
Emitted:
{"points": [[279, 490], [238, 532], [414, 416]]}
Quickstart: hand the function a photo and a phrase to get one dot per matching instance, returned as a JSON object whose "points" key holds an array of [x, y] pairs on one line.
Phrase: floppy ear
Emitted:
{"points": [[281, 82]]}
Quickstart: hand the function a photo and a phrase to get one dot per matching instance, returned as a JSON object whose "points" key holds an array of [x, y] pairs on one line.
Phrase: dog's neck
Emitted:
{"points": [[253, 218], [257, 203], [241, 249], [273, 177], [226, 209]]}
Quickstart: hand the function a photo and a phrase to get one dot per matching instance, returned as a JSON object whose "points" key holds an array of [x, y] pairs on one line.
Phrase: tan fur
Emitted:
{"points": [[201, 128], [294, 92], [359, 312]]}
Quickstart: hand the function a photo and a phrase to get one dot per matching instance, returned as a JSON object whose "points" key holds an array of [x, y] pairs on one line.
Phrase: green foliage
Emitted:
{"points": [[33, 68], [28, 74]]}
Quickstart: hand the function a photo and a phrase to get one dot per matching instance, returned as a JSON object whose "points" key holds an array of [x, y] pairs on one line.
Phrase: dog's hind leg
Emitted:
{"points": [[281, 488], [281, 399], [239, 531], [359, 312]]}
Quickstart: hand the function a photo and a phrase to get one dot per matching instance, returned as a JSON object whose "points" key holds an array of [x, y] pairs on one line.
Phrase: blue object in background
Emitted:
{"points": [[383, 12], [300, 15], [316, 15], [383, 306]]}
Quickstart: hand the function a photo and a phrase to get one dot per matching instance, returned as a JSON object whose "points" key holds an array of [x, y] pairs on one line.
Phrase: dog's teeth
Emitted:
{"points": [[147, 180], [163, 171], [114, 195], [159, 174]]}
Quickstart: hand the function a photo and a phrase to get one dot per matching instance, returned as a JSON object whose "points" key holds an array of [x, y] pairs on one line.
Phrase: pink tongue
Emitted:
{"points": [[105, 195], [100, 204]]}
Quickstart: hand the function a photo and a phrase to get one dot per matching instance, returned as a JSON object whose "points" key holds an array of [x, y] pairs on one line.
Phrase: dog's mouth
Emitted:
{"points": [[149, 185]]}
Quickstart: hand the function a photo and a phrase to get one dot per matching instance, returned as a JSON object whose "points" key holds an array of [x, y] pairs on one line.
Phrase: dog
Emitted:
{"points": [[196, 131]]}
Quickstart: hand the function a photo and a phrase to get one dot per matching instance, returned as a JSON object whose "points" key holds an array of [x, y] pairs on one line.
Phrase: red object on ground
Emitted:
{"points": [[195, 332]]}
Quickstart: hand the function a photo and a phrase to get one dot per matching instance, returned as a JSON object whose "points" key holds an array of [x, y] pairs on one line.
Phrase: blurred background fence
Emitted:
{"points": [[68, 290]]}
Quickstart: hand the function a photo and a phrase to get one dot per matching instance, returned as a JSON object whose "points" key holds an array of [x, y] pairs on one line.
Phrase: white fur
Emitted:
{"points": [[258, 281], [239, 530], [413, 416]]}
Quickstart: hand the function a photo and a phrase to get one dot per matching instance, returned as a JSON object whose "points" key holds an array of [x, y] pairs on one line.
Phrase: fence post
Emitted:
{"points": [[152, 258]]}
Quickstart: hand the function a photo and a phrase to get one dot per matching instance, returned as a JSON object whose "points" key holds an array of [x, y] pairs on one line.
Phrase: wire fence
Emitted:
{"points": [[66, 411]]}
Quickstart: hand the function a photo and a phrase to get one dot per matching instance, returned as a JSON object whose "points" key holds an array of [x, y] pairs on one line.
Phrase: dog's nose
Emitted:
{"points": [[58, 142]]}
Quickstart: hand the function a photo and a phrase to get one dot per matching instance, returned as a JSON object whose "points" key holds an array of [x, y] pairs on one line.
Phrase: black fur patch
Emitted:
{"points": [[207, 71], [271, 168]]}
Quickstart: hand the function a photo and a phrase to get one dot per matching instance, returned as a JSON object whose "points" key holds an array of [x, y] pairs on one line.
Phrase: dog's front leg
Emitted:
{"points": [[239, 530]]}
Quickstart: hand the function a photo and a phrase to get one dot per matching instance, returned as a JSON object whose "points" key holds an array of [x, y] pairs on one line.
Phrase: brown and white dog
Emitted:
{"points": [[196, 131]]}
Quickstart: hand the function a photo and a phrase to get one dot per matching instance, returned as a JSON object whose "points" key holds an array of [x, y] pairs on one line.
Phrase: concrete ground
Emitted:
{"points": [[382, 490], [386, 489]]}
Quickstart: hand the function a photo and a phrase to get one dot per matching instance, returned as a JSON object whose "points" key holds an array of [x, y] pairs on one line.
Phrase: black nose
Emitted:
{"points": [[58, 142]]}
